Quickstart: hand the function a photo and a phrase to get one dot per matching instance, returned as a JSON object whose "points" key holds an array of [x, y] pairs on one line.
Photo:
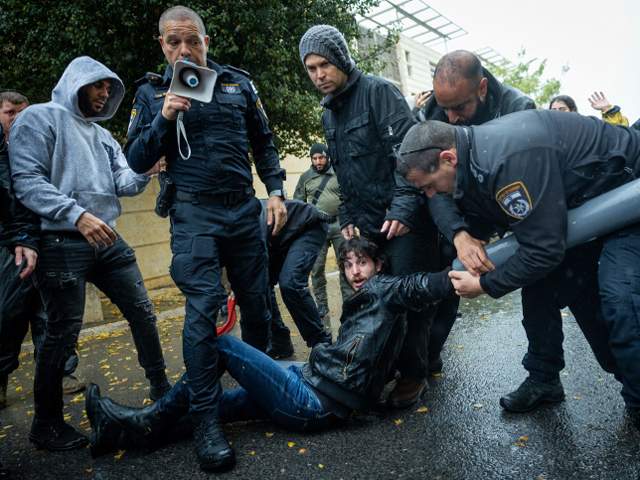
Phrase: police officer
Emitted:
{"points": [[526, 170], [214, 215]]}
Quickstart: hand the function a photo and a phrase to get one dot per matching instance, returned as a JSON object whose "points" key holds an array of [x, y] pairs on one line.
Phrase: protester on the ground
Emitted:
{"points": [[70, 171], [364, 117], [292, 254], [215, 215], [529, 190], [319, 186], [307, 397], [464, 93], [610, 113]]}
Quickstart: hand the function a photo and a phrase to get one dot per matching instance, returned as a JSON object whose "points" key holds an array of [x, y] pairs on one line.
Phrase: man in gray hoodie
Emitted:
{"points": [[70, 172]]}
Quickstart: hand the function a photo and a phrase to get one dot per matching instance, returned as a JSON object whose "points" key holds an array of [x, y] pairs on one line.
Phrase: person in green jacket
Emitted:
{"points": [[319, 186]]}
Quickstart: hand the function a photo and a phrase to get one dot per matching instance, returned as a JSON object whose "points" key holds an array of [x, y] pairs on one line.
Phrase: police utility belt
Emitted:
{"points": [[169, 194]]}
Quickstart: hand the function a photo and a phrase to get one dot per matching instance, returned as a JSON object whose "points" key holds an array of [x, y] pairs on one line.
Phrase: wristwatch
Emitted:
{"points": [[279, 193]]}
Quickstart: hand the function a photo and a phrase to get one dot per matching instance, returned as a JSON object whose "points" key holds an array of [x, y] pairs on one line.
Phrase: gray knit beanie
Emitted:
{"points": [[328, 42]]}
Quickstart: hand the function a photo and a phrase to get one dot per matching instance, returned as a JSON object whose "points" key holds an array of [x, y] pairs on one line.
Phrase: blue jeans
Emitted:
{"points": [[293, 279], [205, 238], [619, 278], [66, 263], [267, 391], [573, 283]]}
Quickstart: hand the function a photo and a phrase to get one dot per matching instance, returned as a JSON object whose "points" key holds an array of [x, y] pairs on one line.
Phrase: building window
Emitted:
{"points": [[407, 58], [432, 68]]}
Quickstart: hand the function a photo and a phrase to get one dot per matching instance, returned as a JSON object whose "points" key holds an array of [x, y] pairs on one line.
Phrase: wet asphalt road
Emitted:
{"points": [[463, 434]]}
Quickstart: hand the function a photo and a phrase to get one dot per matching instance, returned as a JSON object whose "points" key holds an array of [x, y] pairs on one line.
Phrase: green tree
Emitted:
{"points": [[529, 82], [39, 39]]}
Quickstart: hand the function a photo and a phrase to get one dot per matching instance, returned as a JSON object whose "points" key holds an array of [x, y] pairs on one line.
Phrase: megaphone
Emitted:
{"points": [[193, 81]]}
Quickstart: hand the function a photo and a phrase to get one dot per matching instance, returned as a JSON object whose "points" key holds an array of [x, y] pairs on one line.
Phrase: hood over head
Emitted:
{"points": [[83, 71]]}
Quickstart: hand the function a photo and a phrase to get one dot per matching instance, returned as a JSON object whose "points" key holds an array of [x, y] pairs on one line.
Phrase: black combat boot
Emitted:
{"points": [[106, 435], [531, 394], [281, 345], [212, 447], [56, 435]]}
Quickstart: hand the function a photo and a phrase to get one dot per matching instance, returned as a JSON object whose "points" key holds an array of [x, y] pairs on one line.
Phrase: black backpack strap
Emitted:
{"points": [[320, 189]]}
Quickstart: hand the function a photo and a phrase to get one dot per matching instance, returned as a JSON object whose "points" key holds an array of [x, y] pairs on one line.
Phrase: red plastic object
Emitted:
{"points": [[231, 321]]}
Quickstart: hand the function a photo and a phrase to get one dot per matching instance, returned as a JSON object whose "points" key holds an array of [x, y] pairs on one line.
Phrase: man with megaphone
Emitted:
{"points": [[214, 213]]}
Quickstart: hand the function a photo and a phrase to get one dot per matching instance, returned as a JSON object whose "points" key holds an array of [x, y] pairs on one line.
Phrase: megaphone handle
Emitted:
{"points": [[180, 131]]}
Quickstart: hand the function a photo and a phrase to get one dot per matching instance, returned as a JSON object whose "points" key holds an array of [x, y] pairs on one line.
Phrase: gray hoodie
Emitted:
{"points": [[64, 164]]}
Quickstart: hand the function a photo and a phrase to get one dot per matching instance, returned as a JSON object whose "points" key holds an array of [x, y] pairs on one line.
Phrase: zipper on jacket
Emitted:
{"points": [[349, 359]]}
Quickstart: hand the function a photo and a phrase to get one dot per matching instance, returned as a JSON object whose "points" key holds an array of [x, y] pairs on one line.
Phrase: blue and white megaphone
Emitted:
{"points": [[193, 81], [604, 214]]}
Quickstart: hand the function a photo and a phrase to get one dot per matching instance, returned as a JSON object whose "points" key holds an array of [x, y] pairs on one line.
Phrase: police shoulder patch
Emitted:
{"points": [[514, 200], [231, 88]]}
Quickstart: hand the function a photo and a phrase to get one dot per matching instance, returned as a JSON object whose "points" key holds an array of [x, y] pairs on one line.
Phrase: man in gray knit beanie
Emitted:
{"points": [[364, 117], [328, 42]]}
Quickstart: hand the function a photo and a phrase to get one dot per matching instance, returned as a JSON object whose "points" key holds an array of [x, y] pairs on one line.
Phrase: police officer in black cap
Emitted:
{"points": [[214, 214]]}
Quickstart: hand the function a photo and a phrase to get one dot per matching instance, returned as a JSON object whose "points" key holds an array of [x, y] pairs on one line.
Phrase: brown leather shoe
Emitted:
{"points": [[406, 393]]}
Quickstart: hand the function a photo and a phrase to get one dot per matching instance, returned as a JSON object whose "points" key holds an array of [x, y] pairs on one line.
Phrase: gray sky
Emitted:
{"points": [[595, 38]]}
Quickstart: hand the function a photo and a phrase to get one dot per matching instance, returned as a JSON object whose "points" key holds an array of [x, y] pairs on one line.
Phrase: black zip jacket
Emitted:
{"points": [[301, 217], [525, 170], [18, 225], [353, 370], [502, 99], [361, 124]]}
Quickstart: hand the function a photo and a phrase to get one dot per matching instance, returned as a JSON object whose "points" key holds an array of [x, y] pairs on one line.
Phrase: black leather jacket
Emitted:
{"points": [[353, 370], [361, 124], [18, 226]]}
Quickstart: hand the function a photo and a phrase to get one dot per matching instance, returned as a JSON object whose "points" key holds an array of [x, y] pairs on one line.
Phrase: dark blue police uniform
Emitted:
{"points": [[214, 215]]}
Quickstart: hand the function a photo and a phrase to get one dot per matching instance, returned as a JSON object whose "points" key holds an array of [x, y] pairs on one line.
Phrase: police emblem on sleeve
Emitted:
{"points": [[231, 88], [132, 118], [514, 200]]}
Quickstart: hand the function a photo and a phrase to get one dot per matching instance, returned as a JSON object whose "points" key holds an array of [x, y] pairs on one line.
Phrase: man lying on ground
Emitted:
{"points": [[339, 379]]}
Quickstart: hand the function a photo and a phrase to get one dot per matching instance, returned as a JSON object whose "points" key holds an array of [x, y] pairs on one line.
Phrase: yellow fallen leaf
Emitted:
{"points": [[460, 346], [321, 465], [104, 367], [399, 421], [564, 314], [524, 439], [302, 450], [252, 452], [2, 436], [565, 373], [88, 470], [422, 410], [270, 434], [518, 444], [82, 424], [577, 398], [291, 444], [478, 405], [436, 374], [19, 389], [485, 318], [119, 454]]}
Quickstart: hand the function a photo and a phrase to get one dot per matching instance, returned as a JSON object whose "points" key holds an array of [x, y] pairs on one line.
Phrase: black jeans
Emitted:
{"points": [[65, 264], [416, 251]]}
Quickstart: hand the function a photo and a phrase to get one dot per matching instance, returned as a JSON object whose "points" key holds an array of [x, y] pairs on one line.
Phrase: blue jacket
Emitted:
{"points": [[219, 134], [525, 170]]}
